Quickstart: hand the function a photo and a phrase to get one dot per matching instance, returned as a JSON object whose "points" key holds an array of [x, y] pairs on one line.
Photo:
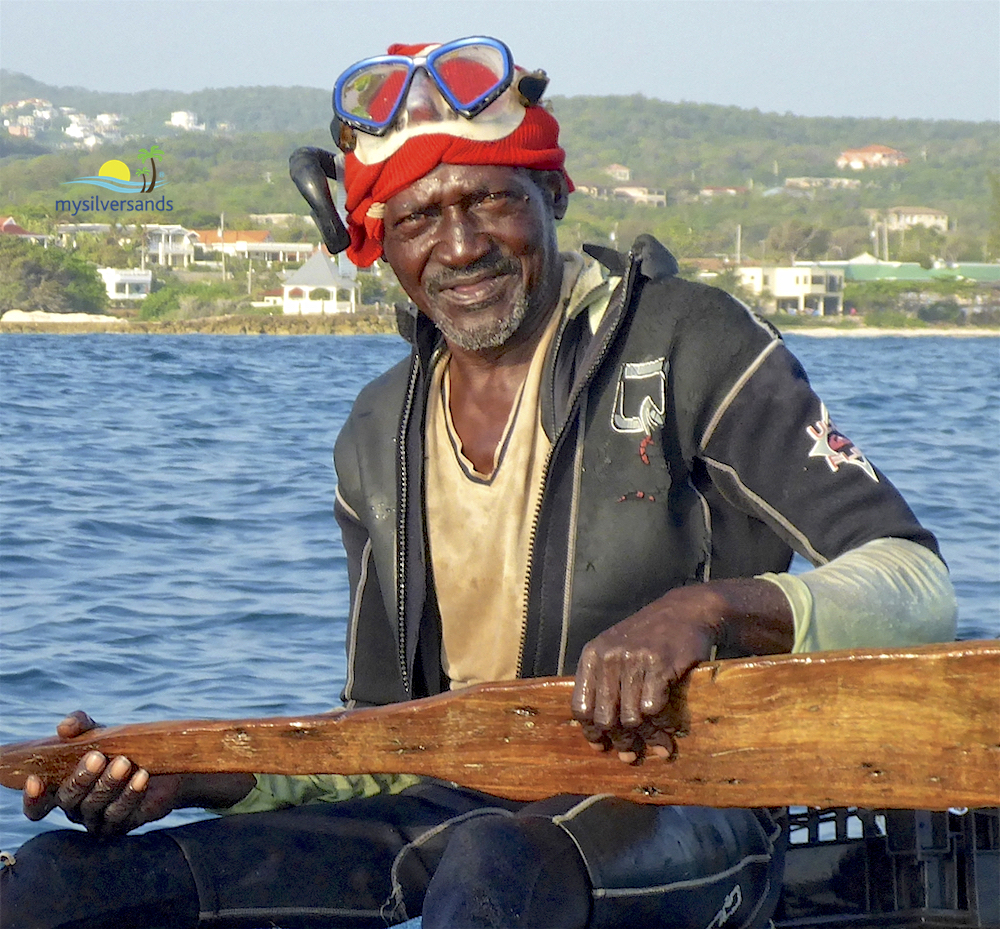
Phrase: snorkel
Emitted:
{"points": [[397, 116]]}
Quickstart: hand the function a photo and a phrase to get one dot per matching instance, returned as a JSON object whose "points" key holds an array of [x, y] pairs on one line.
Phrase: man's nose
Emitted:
{"points": [[461, 238]]}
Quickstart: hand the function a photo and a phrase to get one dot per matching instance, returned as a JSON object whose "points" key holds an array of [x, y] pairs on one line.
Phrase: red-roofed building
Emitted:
{"points": [[8, 226], [871, 156], [252, 243]]}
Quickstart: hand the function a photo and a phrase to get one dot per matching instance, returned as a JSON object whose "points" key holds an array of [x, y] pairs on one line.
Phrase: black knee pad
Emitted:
{"points": [[509, 872], [684, 867], [68, 880]]}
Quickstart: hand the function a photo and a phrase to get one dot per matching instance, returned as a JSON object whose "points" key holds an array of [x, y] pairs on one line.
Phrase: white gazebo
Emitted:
{"points": [[319, 286]]}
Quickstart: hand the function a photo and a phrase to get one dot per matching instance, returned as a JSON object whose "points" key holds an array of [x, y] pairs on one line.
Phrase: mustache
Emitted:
{"points": [[492, 264]]}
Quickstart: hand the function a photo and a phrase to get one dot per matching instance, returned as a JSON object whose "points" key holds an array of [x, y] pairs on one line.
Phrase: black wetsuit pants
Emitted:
{"points": [[461, 858]]}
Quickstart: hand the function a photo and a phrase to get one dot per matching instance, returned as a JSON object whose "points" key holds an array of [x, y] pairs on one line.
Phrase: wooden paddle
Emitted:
{"points": [[915, 728]]}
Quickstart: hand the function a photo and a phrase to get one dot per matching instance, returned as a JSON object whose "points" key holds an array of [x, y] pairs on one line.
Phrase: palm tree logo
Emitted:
{"points": [[151, 153]]}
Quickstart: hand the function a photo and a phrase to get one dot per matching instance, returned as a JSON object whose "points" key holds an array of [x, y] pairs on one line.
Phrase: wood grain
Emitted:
{"points": [[915, 728]]}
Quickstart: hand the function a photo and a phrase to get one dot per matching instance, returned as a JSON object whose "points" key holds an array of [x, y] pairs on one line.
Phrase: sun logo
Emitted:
{"points": [[116, 169], [117, 176]]}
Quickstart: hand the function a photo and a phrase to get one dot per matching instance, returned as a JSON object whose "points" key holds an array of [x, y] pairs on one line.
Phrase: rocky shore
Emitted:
{"points": [[367, 324], [16, 321]]}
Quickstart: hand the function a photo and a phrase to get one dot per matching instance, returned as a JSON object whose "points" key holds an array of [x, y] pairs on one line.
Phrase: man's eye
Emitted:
{"points": [[496, 197], [494, 200], [412, 220]]}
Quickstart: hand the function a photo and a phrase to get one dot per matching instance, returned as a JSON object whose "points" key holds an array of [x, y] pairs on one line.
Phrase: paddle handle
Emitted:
{"points": [[915, 728]]}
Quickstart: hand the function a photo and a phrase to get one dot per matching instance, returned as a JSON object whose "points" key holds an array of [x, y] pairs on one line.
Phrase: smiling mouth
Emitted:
{"points": [[478, 285], [476, 294]]}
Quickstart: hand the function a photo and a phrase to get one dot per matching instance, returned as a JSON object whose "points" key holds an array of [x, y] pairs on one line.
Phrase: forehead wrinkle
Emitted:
{"points": [[442, 178]]}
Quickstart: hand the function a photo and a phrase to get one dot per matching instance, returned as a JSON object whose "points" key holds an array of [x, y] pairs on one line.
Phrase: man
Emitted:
{"points": [[585, 465]]}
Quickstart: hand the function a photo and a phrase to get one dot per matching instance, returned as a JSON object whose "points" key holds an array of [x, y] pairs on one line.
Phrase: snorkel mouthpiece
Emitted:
{"points": [[309, 169]]}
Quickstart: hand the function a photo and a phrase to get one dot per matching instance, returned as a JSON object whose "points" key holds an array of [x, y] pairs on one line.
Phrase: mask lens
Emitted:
{"points": [[371, 95], [472, 73]]}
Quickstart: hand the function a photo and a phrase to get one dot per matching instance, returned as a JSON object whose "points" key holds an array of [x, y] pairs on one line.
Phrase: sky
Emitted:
{"points": [[926, 59]]}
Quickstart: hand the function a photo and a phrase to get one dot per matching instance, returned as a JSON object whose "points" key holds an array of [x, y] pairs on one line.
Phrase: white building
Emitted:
{"points": [[169, 244], [906, 217], [619, 172], [871, 156], [642, 196], [126, 283], [319, 287], [823, 183], [183, 119], [801, 289]]}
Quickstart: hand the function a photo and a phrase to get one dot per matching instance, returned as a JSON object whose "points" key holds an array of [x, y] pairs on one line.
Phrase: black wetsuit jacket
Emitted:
{"points": [[687, 445]]}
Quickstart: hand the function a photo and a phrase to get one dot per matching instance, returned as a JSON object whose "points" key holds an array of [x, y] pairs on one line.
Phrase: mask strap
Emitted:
{"points": [[309, 169]]}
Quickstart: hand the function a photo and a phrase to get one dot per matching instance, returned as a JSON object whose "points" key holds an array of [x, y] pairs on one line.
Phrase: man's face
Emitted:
{"points": [[475, 249]]}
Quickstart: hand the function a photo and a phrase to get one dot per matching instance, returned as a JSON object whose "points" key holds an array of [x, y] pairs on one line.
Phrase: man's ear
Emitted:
{"points": [[560, 194], [553, 185]]}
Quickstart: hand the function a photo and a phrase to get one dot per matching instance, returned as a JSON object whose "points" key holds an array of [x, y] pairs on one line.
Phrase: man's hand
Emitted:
{"points": [[626, 694], [112, 797]]}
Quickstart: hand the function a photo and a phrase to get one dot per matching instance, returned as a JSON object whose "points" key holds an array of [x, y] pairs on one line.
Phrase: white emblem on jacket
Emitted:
{"points": [[641, 397], [830, 443]]}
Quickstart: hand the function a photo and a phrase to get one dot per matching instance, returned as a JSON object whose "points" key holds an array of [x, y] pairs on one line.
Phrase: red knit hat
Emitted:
{"points": [[533, 144]]}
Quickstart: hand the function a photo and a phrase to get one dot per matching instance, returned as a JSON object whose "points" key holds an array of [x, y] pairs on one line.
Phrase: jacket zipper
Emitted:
{"points": [[627, 284], [401, 536]]}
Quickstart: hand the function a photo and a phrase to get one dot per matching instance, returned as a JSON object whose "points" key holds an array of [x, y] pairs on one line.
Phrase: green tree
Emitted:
{"points": [[795, 239], [49, 279], [993, 230], [104, 250]]}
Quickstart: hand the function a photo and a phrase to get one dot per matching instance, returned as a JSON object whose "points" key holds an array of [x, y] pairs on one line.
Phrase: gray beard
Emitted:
{"points": [[491, 334]]}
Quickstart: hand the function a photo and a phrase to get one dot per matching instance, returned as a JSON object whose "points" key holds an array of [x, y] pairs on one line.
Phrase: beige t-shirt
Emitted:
{"points": [[480, 526]]}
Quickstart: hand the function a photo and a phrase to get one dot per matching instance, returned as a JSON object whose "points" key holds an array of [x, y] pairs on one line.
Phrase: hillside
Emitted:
{"points": [[245, 109], [238, 165]]}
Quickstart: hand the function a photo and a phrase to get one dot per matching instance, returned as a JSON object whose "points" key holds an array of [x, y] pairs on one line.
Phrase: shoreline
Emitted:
{"points": [[341, 324], [15, 322], [872, 332]]}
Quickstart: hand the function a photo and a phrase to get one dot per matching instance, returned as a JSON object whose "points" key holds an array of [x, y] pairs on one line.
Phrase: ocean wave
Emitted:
{"points": [[116, 185]]}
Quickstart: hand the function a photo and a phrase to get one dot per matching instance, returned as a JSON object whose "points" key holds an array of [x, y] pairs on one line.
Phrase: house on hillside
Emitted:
{"points": [[871, 156], [707, 193], [800, 289], [822, 183], [252, 243], [184, 119], [866, 267], [169, 244], [319, 287], [898, 218], [126, 283], [640, 195], [9, 226], [619, 172]]}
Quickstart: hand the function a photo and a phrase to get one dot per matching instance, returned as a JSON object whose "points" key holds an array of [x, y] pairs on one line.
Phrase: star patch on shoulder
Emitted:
{"points": [[831, 444]]}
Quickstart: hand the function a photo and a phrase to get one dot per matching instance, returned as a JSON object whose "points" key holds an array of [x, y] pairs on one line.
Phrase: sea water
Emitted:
{"points": [[166, 531]]}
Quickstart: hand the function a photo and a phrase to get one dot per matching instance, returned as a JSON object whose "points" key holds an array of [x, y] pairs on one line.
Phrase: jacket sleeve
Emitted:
{"points": [[888, 592], [279, 791], [773, 451]]}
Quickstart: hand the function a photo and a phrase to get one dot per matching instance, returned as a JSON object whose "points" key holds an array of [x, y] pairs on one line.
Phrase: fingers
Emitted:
{"points": [[37, 799], [618, 700], [75, 788], [104, 791], [75, 725], [124, 812], [583, 685], [105, 797]]}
